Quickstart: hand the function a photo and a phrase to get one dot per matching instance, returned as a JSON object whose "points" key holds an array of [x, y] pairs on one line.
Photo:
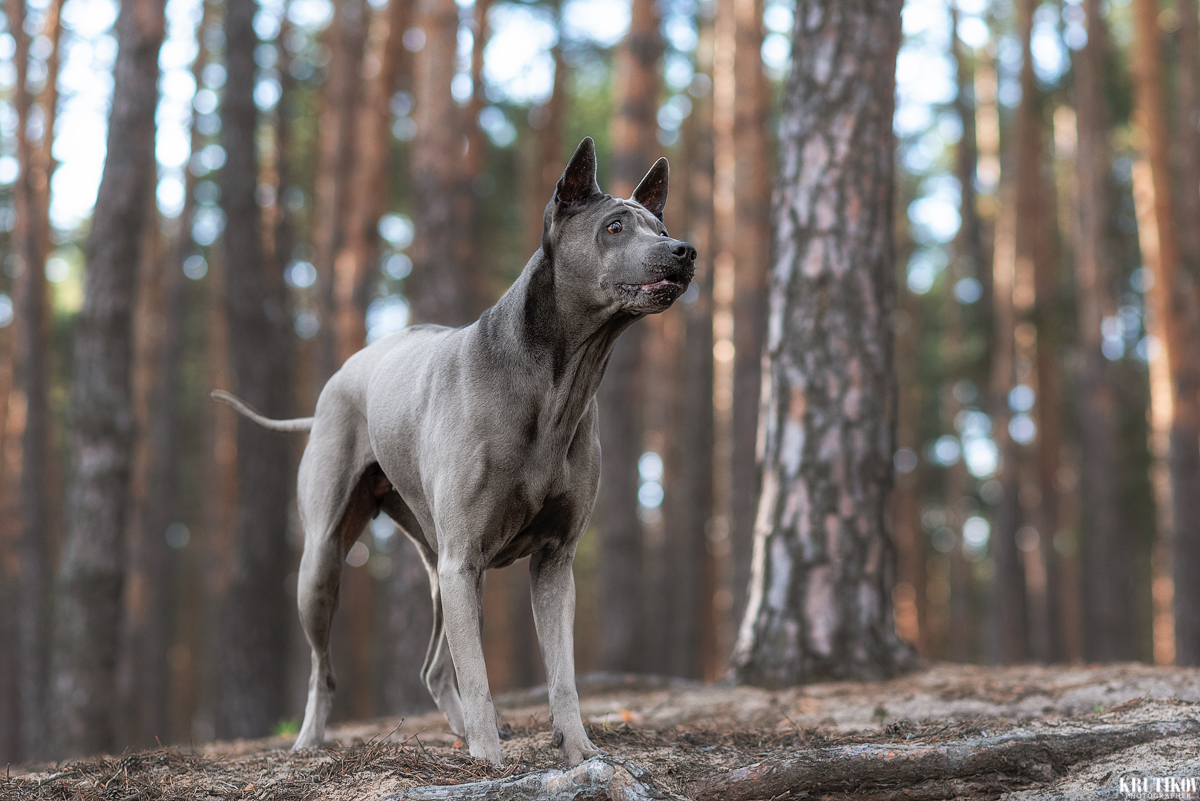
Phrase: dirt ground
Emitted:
{"points": [[950, 731]]}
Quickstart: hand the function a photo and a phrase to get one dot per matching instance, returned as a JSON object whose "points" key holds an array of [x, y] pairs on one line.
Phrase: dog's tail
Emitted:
{"points": [[297, 424]]}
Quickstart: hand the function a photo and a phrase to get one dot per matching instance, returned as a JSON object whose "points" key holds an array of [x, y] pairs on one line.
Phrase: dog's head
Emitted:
{"points": [[617, 250]]}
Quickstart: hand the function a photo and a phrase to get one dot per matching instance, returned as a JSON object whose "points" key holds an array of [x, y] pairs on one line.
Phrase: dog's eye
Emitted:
{"points": [[614, 227]]}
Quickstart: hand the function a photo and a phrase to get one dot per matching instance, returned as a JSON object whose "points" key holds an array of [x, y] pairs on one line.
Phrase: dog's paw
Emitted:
{"points": [[576, 751]]}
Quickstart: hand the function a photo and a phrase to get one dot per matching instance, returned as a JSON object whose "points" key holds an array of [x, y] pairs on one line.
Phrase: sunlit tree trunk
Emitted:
{"points": [[439, 288], [91, 574], [335, 189], [27, 447], [1109, 610], [1175, 377], [820, 593], [750, 247], [621, 393], [253, 615], [355, 274]]}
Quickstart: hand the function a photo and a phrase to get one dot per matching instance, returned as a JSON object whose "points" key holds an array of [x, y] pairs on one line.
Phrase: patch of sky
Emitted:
{"points": [[310, 15], [397, 229], [518, 66], [1049, 53], [678, 71], [680, 33], [385, 316], [935, 217], [601, 22], [496, 124]]}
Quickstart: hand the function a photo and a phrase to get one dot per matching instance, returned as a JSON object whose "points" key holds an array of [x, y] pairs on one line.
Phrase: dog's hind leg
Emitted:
{"points": [[438, 671], [333, 531]]}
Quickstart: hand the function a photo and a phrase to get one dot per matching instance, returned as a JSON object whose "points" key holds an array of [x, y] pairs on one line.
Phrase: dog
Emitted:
{"points": [[482, 444]]}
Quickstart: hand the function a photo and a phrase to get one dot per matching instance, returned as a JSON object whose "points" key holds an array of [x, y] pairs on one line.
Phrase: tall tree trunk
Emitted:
{"points": [[1109, 609], [968, 263], [690, 587], [254, 614], [820, 593], [91, 574], [621, 393], [335, 190], [354, 266], [1172, 302], [142, 668], [750, 247], [28, 418], [1013, 277], [440, 287]]}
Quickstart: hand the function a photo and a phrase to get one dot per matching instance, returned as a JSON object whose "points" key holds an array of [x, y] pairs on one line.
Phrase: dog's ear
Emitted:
{"points": [[652, 191], [578, 182]]}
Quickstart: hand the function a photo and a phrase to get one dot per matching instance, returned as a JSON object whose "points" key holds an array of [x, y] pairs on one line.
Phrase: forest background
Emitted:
{"points": [[294, 178]]}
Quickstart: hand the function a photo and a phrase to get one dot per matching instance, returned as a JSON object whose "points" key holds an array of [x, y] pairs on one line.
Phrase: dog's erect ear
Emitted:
{"points": [[578, 182], [652, 191]]}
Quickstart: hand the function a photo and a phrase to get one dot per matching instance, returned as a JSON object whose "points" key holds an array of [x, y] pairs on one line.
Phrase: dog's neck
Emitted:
{"points": [[557, 336]]}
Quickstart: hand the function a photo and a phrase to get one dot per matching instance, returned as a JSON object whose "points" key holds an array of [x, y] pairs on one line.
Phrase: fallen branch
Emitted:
{"points": [[598, 779], [1034, 756]]}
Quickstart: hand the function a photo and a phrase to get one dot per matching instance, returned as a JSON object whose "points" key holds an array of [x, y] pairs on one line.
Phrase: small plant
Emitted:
{"points": [[286, 726]]}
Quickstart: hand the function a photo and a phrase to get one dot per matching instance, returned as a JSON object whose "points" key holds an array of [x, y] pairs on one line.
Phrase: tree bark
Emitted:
{"points": [[1172, 302], [440, 288], [28, 437], [337, 193], [621, 393], [254, 608], [1109, 608], [750, 247], [820, 594], [91, 574], [689, 580], [1035, 756]]}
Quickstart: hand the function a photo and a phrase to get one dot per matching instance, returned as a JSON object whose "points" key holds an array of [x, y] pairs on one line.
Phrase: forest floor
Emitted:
{"points": [[949, 731]]}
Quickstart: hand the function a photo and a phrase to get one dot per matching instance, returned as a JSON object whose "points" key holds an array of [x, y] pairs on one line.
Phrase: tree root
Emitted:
{"points": [[912, 771], [599, 779]]}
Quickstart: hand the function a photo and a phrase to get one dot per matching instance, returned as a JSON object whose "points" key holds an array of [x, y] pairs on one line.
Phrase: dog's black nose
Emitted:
{"points": [[683, 251]]}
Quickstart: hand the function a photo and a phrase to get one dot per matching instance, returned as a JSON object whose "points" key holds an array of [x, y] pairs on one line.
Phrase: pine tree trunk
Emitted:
{"points": [[335, 191], [750, 247], [439, 288], [1173, 305], [820, 593], [141, 672], [689, 586], [621, 393], [91, 574], [254, 610], [1108, 592], [28, 416]]}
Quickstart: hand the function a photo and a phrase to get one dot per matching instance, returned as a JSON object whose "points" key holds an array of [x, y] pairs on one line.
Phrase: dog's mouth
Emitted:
{"points": [[664, 283]]}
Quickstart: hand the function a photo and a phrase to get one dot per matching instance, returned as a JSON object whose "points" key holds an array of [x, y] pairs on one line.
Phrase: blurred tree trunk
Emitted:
{"points": [[355, 274], [142, 661], [10, 716], [1013, 297], [621, 393], [28, 437], [1109, 608], [1175, 377], [689, 585], [968, 263], [336, 190], [751, 253], [440, 289], [471, 249], [820, 594], [254, 610], [91, 573]]}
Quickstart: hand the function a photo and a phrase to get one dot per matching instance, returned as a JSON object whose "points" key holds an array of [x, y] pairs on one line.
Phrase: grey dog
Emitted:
{"points": [[482, 444]]}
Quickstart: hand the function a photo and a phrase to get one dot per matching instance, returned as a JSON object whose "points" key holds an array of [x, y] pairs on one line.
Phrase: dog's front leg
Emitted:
{"points": [[462, 590], [553, 588]]}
